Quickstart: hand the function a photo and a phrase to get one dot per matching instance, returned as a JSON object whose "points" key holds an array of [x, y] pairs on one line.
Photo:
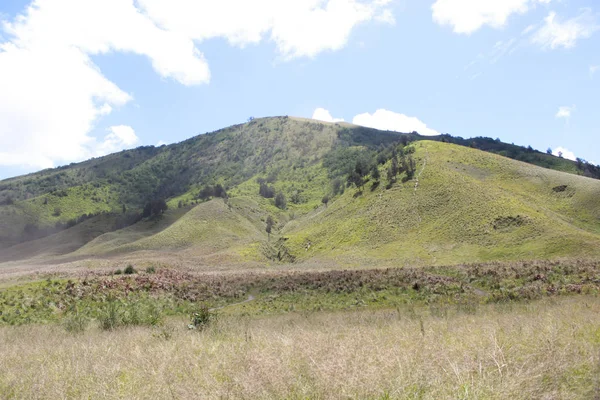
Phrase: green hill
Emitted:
{"points": [[444, 203]]}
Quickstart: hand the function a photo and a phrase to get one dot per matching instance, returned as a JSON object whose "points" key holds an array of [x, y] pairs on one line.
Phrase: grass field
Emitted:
{"points": [[547, 349]]}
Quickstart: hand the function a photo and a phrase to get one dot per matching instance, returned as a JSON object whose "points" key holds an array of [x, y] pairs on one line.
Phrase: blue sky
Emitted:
{"points": [[85, 78]]}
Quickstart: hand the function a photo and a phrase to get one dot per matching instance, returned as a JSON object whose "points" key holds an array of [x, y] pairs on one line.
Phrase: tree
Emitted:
{"points": [[124, 209], [391, 176], [219, 191], [266, 191], [375, 172], [206, 192], [154, 207], [325, 200], [549, 151], [159, 206], [410, 167], [337, 186], [280, 201], [269, 227], [355, 179], [560, 154]]}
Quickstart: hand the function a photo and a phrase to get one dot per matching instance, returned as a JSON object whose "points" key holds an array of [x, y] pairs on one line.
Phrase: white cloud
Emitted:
{"points": [[53, 94], [565, 112], [594, 69], [554, 33], [468, 16], [565, 153], [300, 28], [324, 115], [161, 143], [120, 137], [391, 121]]}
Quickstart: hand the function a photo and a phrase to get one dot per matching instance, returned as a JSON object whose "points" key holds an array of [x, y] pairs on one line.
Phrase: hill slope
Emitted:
{"points": [[465, 206], [455, 204]]}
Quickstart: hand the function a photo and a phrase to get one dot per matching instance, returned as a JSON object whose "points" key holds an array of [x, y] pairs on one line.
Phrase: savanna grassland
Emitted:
{"points": [[287, 258], [537, 350]]}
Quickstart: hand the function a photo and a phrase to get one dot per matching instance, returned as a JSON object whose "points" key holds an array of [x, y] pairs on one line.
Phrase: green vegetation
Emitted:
{"points": [[288, 157], [145, 298]]}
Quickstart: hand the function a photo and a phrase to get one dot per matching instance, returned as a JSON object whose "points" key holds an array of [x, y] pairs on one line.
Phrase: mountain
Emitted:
{"points": [[437, 200]]}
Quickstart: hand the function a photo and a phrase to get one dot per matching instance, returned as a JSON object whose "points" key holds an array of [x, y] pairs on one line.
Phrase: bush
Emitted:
{"points": [[280, 201], [118, 272], [138, 312], [151, 269], [202, 318], [130, 270], [76, 321]]}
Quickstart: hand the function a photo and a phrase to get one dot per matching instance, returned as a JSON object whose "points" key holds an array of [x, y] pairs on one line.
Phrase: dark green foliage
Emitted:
{"points": [[325, 200], [151, 269], [118, 272], [337, 186], [409, 166], [57, 212], [154, 207], [375, 172], [280, 201], [344, 160], [130, 270], [206, 192], [269, 226], [266, 191]]}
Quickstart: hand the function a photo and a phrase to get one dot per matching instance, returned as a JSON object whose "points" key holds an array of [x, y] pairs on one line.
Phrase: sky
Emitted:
{"points": [[84, 78]]}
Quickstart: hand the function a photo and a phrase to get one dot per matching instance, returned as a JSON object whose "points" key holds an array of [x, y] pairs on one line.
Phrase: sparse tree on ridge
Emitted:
{"points": [[269, 227]]}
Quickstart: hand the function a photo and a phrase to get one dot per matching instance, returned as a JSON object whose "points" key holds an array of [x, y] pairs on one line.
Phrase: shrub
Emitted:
{"points": [[151, 269], [138, 312], [118, 272], [110, 316], [130, 270], [75, 321], [202, 318], [280, 201]]}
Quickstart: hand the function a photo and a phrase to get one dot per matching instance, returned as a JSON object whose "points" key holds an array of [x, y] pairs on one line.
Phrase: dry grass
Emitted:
{"points": [[542, 350]]}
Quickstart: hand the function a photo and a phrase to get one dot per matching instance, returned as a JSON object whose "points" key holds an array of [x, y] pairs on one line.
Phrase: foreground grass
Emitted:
{"points": [[544, 349]]}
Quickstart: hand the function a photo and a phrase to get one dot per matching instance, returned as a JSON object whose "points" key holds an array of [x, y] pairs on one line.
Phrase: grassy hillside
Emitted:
{"points": [[463, 205], [457, 204]]}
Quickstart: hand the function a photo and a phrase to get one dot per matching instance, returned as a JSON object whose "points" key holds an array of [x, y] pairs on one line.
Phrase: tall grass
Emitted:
{"points": [[548, 349]]}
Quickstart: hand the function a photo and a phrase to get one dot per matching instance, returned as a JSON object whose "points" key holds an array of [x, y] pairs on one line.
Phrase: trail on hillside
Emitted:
{"points": [[249, 299], [422, 169], [416, 208]]}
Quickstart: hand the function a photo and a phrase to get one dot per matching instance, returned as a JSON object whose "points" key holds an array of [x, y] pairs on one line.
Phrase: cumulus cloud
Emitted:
{"points": [[119, 137], [564, 153], [301, 28], [53, 94], [468, 16], [324, 115], [565, 112], [555, 33], [391, 121]]}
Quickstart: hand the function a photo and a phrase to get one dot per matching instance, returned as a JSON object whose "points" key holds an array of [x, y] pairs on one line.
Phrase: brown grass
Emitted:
{"points": [[547, 349]]}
